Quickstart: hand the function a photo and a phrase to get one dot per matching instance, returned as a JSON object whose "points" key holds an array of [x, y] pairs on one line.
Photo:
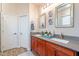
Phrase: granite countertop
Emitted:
{"points": [[73, 44]]}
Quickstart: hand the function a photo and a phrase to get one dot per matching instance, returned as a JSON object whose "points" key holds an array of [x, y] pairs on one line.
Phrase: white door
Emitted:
{"points": [[10, 39], [24, 32]]}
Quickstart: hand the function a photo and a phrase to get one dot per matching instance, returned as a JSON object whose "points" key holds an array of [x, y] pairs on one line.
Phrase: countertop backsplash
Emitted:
{"points": [[56, 35]]}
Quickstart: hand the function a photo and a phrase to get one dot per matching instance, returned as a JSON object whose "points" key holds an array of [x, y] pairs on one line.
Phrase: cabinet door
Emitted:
{"points": [[50, 50], [34, 44], [41, 47], [62, 51]]}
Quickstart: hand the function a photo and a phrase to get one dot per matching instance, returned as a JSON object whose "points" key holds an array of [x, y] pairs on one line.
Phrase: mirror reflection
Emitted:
{"points": [[64, 15]]}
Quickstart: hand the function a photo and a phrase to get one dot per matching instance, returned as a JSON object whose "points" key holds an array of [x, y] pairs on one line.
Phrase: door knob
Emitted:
{"points": [[15, 33]]}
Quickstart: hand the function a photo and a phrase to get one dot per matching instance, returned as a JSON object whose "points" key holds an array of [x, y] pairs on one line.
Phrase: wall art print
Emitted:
{"points": [[42, 21], [50, 18], [32, 25]]}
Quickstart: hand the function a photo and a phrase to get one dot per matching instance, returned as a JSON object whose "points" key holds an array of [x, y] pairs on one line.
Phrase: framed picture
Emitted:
{"points": [[42, 21], [50, 21], [50, 17], [32, 25], [50, 14]]}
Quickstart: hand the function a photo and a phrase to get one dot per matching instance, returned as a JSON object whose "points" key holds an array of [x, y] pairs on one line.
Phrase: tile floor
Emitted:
{"points": [[13, 52], [17, 52], [28, 53]]}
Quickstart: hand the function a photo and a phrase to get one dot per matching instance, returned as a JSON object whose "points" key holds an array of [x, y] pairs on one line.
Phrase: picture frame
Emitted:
{"points": [[42, 22], [32, 26], [50, 21], [50, 18], [50, 14]]}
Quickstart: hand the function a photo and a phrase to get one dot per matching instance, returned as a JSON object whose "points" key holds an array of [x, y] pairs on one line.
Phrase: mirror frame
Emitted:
{"points": [[71, 16]]}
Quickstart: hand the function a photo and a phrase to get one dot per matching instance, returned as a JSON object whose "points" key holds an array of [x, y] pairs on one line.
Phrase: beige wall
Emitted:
{"points": [[0, 26], [66, 31], [15, 9], [0, 7], [34, 15]]}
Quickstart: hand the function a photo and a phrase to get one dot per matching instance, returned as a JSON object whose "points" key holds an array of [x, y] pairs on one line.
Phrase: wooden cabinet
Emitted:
{"points": [[50, 50], [60, 53], [38, 46], [41, 47], [34, 44], [45, 48]]}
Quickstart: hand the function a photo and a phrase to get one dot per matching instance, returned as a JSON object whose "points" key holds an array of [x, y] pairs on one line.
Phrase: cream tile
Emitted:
{"points": [[28, 53]]}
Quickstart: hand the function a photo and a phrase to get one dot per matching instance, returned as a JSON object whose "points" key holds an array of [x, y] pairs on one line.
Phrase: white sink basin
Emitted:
{"points": [[60, 40]]}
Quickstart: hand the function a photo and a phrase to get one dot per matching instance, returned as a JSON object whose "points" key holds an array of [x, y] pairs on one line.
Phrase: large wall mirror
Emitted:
{"points": [[64, 15]]}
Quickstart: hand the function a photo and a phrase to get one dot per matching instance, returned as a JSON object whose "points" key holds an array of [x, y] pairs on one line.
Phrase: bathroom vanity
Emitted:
{"points": [[47, 47]]}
